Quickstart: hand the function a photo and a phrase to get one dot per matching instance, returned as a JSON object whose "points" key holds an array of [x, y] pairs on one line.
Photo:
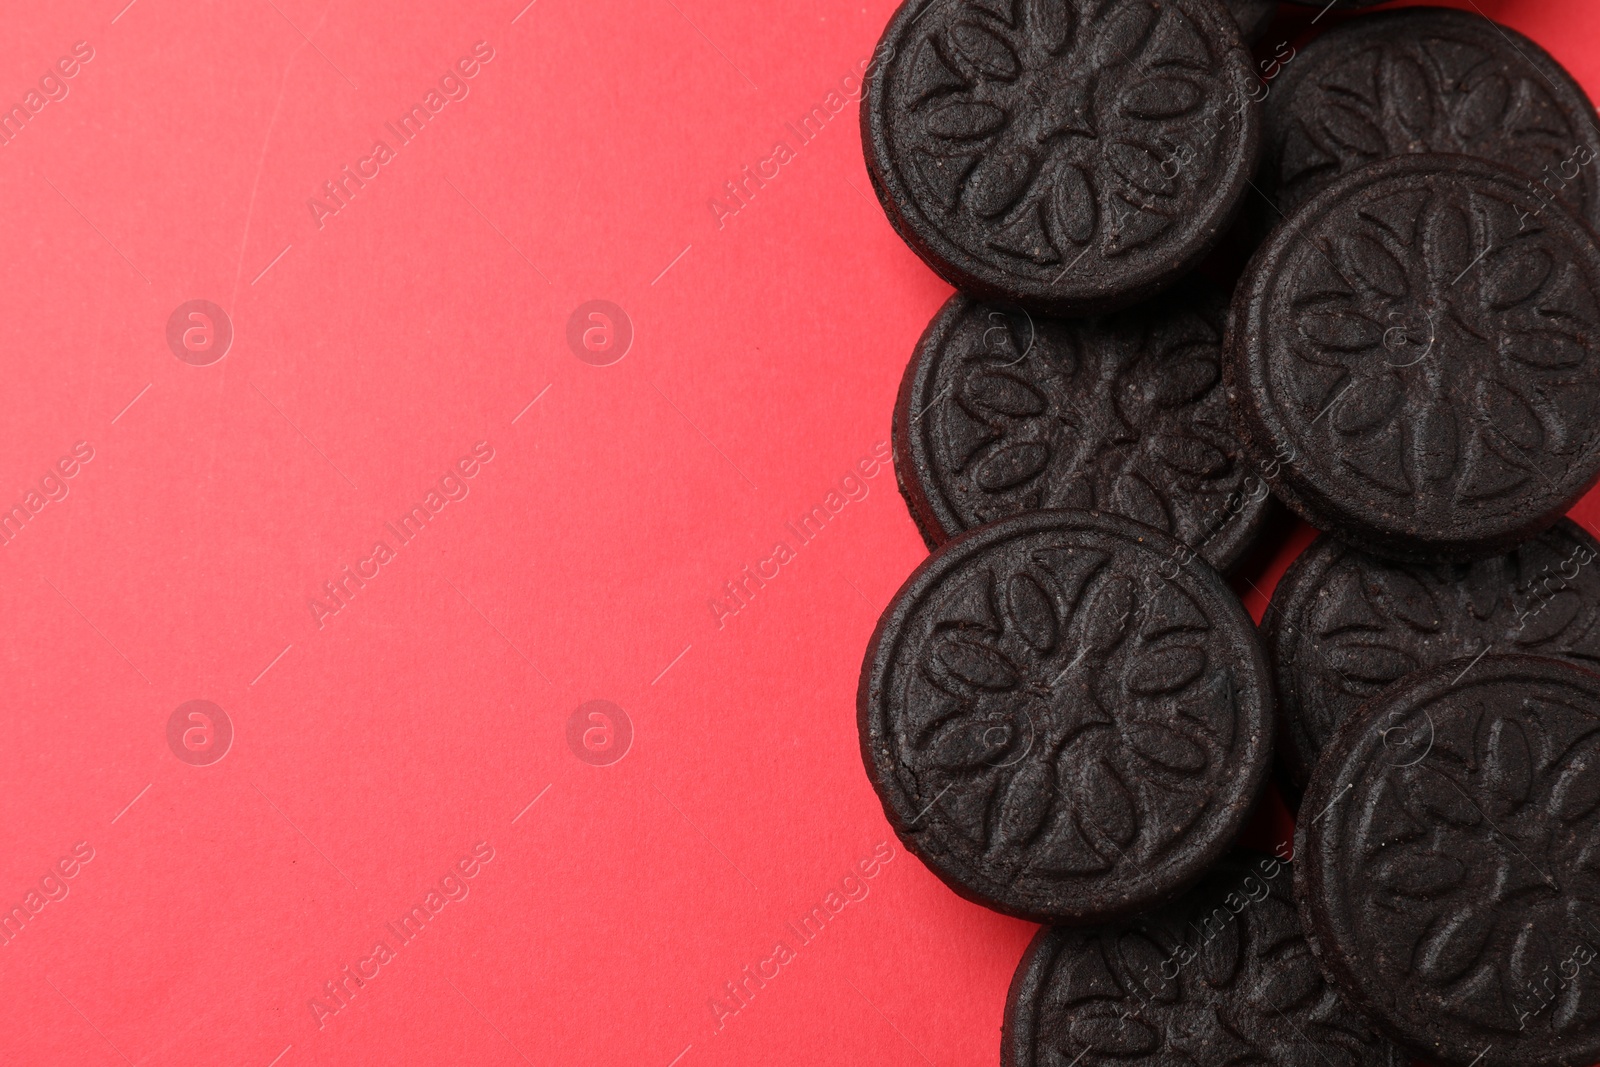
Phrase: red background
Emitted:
{"points": [[372, 753]]}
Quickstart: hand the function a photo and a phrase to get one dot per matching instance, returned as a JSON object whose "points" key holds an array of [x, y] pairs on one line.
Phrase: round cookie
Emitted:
{"points": [[1414, 357], [1002, 412], [1075, 156], [1343, 624], [1450, 879], [1220, 976], [1429, 80], [1065, 716]]}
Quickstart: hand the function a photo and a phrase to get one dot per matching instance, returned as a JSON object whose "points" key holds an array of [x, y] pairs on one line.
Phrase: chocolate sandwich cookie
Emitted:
{"points": [[1413, 359], [1430, 80], [1075, 156], [1343, 624], [1066, 717], [1253, 16], [1220, 976], [1002, 412], [1449, 878]]}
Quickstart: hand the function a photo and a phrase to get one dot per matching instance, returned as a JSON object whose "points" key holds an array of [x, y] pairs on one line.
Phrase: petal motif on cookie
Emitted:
{"points": [[1515, 276], [1012, 465], [1456, 944], [997, 393], [1364, 259], [1409, 89], [1546, 349], [1165, 670], [1161, 97], [999, 180], [1187, 454], [981, 52], [1143, 167], [974, 664], [1341, 330], [1031, 613], [1071, 214], [1369, 402], [1371, 662], [1483, 107], [960, 120], [1420, 875], [1122, 33], [1352, 132], [1050, 25], [1028, 802], [1104, 807], [1165, 747]]}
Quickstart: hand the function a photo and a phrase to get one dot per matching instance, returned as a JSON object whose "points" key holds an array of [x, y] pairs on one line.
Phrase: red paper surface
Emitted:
{"points": [[421, 730]]}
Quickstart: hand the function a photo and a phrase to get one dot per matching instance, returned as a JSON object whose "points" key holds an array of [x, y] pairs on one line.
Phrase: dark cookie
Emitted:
{"points": [[1343, 625], [1253, 16], [1073, 155], [1220, 976], [1449, 869], [1002, 412], [1063, 719], [1413, 357], [1429, 80]]}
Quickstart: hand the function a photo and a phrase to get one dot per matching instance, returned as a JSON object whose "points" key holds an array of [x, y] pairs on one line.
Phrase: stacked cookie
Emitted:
{"points": [[1066, 711]]}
